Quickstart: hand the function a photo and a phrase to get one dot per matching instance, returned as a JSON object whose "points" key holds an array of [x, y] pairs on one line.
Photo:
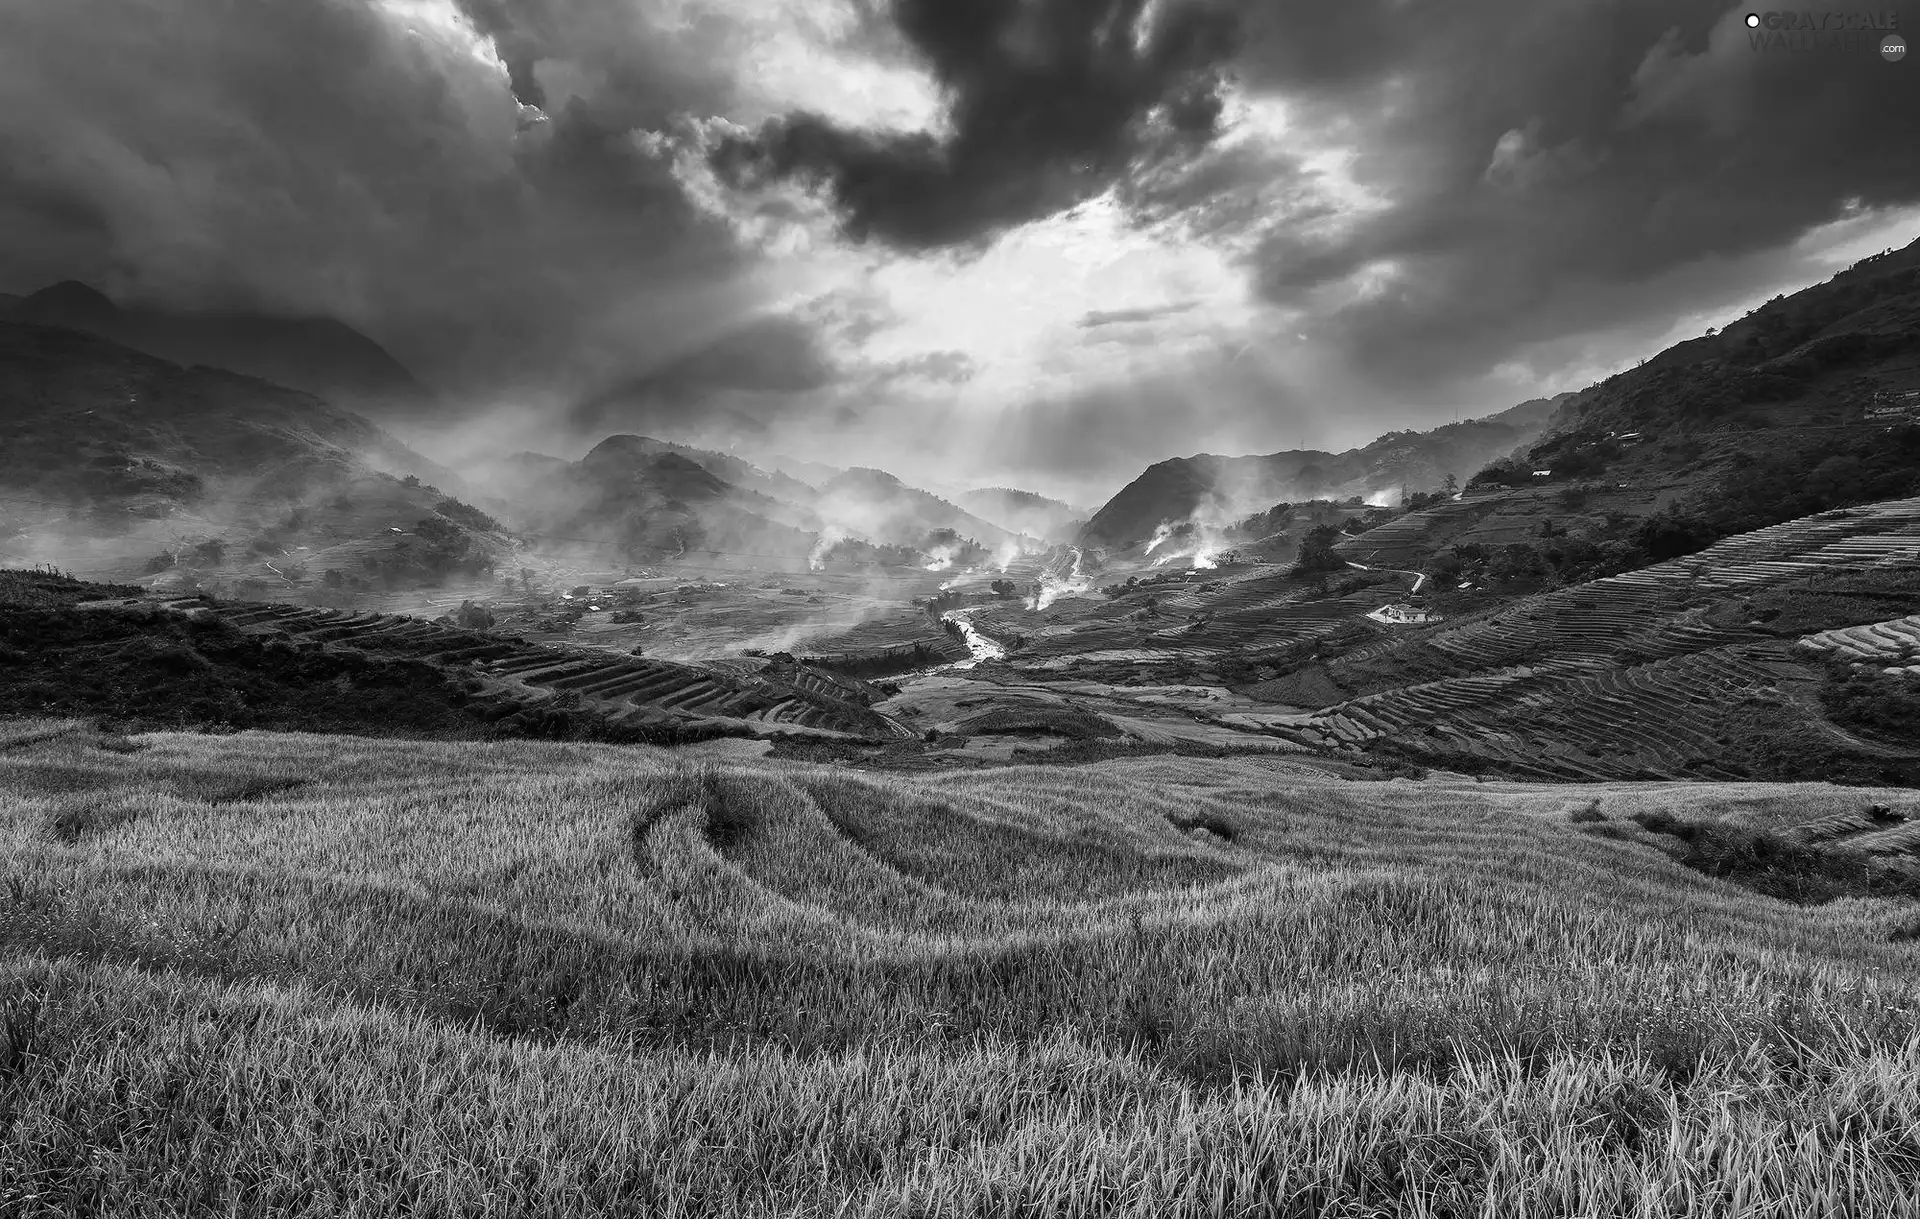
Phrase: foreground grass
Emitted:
{"points": [[307, 975]]}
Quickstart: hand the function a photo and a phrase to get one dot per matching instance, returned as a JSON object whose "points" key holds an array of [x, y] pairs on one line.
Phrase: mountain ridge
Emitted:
{"points": [[321, 355], [1224, 488]]}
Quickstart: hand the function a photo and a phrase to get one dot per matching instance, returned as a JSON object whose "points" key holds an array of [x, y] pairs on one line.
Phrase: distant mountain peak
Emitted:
{"points": [[68, 302], [319, 355], [869, 475]]}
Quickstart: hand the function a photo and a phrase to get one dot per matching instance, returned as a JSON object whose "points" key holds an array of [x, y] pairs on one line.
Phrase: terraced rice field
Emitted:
{"points": [[1623, 676], [342, 976], [1894, 644], [519, 676], [1410, 539]]}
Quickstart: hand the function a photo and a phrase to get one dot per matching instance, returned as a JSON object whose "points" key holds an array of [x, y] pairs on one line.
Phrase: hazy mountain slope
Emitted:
{"points": [[1228, 488], [1024, 512], [88, 420], [812, 473], [648, 502], [885, 510], [322, 356], [734, 470]]}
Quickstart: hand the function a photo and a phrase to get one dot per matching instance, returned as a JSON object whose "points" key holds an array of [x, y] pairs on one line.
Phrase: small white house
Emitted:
{"points": [[1402, 614]]}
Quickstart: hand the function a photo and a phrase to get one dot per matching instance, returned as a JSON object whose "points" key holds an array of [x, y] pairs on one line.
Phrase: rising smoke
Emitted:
{"points": [[1054, 584]]}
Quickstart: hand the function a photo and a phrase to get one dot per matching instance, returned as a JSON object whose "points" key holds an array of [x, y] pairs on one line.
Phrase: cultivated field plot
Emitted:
{"points": [[520, 679], [1634, 675], [1894, 644], [324, 975], [1152, 633], [1001, 715]]}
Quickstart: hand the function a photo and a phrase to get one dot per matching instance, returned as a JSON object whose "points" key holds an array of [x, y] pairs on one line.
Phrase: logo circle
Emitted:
{"points": [[1893, 48], [1753, 20]]}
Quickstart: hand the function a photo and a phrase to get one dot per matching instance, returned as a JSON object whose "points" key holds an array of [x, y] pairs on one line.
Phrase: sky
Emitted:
{"points": [[1040, 243]]}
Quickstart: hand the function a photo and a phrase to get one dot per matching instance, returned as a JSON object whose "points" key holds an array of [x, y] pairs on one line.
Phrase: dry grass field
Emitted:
{"points": [[305, 975]]}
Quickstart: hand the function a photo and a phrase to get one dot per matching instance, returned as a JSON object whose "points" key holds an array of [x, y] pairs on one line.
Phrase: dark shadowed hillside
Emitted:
{"points": [[1229, 488], [646, 501], [320, 355], [119, 463], [1829, 359], [1803, 405], [93, 422], [1050, 520]]}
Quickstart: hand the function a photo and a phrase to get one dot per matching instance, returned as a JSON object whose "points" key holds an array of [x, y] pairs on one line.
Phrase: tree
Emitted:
{"points": [[1451, 486], [1316, 551], [474, 617], [1669, 535]]}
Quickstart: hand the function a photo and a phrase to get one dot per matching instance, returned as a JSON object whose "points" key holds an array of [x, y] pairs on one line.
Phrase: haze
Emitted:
{"points": [[1037, 245]]}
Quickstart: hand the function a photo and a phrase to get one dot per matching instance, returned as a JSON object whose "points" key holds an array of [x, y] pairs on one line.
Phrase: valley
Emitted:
{"points": [[913, 609], [1535, 792]]}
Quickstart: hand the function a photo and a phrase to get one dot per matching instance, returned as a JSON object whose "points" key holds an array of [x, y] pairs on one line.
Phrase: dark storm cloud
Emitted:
{"points": [[323, 158], [1050, 102], [1536, 159]]}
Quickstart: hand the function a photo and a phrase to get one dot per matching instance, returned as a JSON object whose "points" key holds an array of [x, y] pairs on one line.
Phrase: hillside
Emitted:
{"points": [[145, 660], [321, 356], [724, 466], [125, 466], [88, 420], [642, 500], [1818, 358], [1017, 511], [341, 975], [1214, 491], [1697, 666], [884, 510], [656, 499]]}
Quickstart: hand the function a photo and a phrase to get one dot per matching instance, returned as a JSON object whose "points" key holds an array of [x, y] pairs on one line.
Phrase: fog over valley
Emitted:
{"points": [[812, 230], [910, 608]]}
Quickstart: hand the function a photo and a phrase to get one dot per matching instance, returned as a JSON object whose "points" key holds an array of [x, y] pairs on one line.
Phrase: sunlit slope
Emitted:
{"points": [[321, 975]]}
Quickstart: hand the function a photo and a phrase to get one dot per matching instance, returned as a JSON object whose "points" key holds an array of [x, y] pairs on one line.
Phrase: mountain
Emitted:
{"points": [[89, 420], [879, 507], [1218, 490], [657, 498], [322, 356], [647, 500], [1800, 406], [1025, 512], [1789, 370], [812, 473], [643, 404], [737, 471], [117, 462]]}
